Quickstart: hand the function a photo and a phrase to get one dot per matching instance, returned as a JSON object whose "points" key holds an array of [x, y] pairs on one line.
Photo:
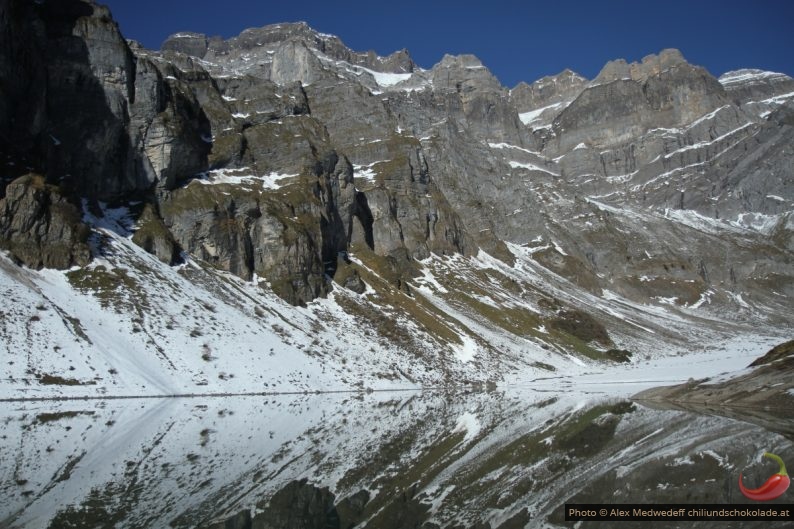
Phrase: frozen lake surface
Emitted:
{"points": [[507, 458]]}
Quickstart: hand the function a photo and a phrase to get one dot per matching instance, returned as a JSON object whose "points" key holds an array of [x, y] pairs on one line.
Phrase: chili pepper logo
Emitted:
{"points": [[774, 487]]}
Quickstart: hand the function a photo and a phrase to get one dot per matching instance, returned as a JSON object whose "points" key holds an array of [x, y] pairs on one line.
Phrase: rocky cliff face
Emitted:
{"points": [[284, 158]]}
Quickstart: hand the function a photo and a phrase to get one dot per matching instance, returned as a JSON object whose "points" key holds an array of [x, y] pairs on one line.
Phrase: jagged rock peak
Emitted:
{"points": [[270, 36], [650, 65], [460, 61], [565, 77], [463, 71], [187, 42], [564, 86]]}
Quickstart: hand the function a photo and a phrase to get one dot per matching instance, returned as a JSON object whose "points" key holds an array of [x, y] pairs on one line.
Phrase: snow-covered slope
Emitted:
{"points": [[129, 325]]}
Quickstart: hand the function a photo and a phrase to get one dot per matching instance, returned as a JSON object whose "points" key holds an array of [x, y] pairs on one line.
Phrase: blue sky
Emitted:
{"points": [[518, 41]]}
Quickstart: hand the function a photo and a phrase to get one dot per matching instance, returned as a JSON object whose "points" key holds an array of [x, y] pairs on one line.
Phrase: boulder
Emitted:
{"points": [[40, 227]]}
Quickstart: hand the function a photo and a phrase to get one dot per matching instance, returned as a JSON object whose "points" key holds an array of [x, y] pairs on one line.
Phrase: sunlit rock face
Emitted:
{"points": [[656, 135]]}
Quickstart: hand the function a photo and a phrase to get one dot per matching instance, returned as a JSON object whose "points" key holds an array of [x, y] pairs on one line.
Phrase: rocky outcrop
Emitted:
{"points": [[90, 72], [293, 61], [411, 192], [291, 235], [472, 95], [40, 227], [409, 213], [152, 235], [351, 509], [255, 101]]}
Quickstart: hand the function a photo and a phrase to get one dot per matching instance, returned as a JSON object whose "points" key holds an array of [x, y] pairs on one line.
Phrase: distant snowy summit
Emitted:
{"points": [[254, 50]]}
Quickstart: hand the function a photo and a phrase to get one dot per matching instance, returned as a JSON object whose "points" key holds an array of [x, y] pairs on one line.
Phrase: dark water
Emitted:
{"points": [[390, 460]]}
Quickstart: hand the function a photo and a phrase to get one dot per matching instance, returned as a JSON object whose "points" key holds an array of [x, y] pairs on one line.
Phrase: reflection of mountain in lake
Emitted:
{"points": [[391, 460]]}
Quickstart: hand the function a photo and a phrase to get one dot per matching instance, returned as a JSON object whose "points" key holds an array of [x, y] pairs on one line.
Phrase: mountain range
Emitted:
{"points": [[277, 212]]}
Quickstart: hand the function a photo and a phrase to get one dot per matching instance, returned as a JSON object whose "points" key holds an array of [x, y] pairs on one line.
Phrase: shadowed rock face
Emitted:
{"points": [[104, 123], [23, 91]]}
